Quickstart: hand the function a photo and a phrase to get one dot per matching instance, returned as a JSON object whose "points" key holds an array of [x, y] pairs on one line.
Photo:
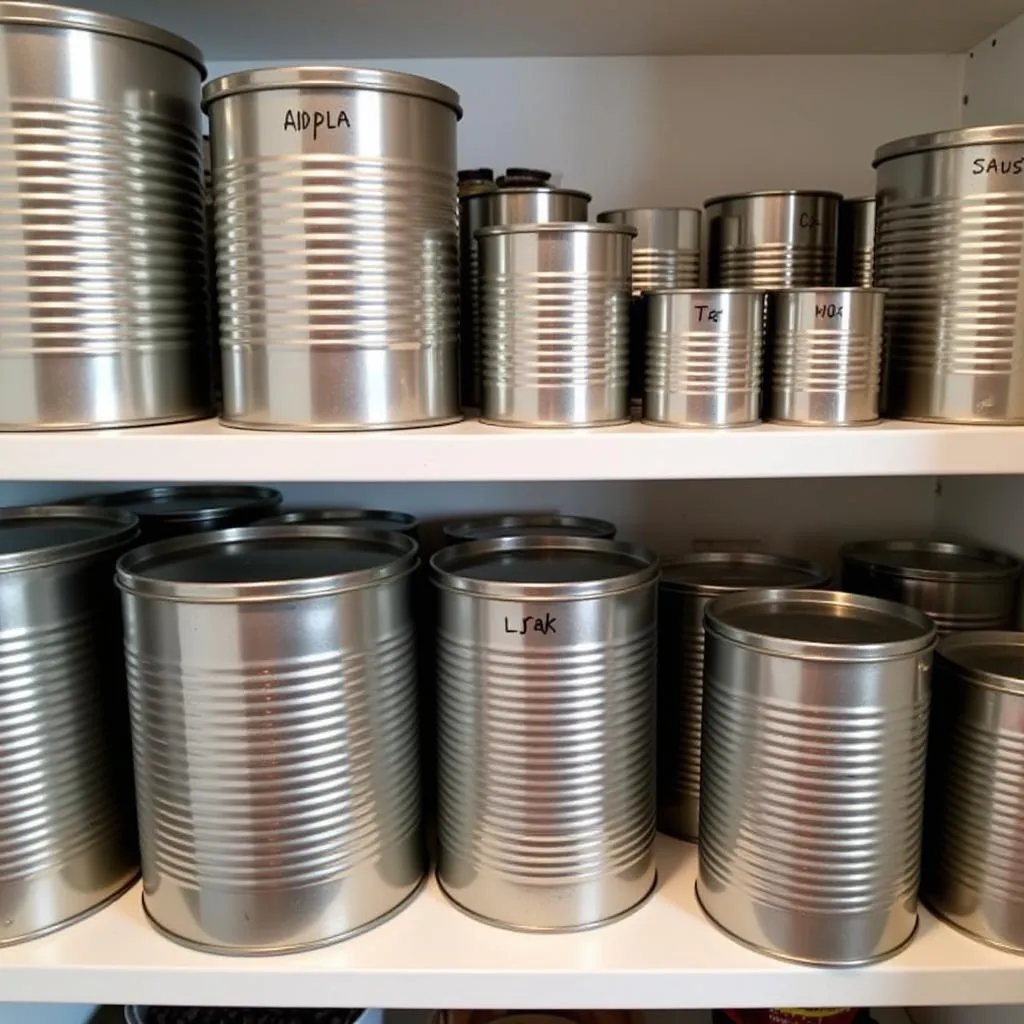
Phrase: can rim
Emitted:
{"points": [[254, 496], [445, 565], [863, 553], [870, 289], [851, 200], [952, 646], [403, 521], [132, 579], [462, 530], [519, 190], [551, 227], [20, 12], [705, 291], [326, 76], [817, 574], [626, 210], [124, 528], [950, 138], [815, 193]]}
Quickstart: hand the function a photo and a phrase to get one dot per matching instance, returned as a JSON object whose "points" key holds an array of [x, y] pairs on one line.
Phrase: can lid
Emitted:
{"points": [[820, 625], [930, 560], [39, 535], [329, 77], [706, 573], [362, 518], [526, 525], [547, 568], [519, 190], [980, 135], [16, 12], [992, 658], [187, 503], [576, 227], [263, 563], [809, 193]]}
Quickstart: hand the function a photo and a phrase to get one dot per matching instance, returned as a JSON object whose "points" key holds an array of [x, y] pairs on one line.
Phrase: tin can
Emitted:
{"points": [[856, 256], [526, 525], [360, 518]]}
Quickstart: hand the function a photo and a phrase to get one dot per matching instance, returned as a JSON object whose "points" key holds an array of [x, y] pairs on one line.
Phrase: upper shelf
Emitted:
{"points": [[333, 30]]}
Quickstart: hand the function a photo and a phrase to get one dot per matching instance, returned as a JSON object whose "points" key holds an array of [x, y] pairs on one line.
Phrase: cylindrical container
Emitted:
{"points": [[958, 586], [688, 584], [554, 324], [973, 871], [856, 256], [546, 661], [772, 239], [67, 832], [950, 253], [362, 518], [812, 772], [103, 306], [272, 683], [526, 524], [825, 350], [666, 250], [538, 204], [337, 244], [704, 357]]}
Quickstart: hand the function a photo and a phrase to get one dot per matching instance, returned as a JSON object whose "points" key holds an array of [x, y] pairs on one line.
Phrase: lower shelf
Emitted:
{"points": [[666, 955]]}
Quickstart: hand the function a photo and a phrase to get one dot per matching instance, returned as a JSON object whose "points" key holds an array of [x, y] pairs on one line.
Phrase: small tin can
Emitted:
{"points": [[525, 524], [856, 261]]}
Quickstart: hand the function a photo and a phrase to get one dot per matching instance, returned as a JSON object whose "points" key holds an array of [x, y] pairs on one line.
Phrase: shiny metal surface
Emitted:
{"points": [[103, 308], [554, 324], [67, 833], [958, 586], [973, 871], [361, 518], [950, 254], [704, 357], [666, 250], [526, 524], [812, 772], [856, 253], [546, 686], [825, 347], [272, 683], [688, 585], [337, 244]]}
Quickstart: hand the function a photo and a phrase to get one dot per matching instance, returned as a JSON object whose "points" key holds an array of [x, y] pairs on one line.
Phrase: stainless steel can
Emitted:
{"points": [[688, 585], [272, 683], [950, 254], [666, 250], [856, 256], [361, 518], [554, 324], [526, 524], [546, 662], [67, 832], [704, 355], [812, 772], [103, 306], [772, 239], [958, 586], [973, 871], [337, 245]]}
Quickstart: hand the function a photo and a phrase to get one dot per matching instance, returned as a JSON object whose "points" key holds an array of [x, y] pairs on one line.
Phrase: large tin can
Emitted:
{"points": [[526, 524], [950, 254], [812, 772], [855, 264], [337, 244], [546, 661], [272, 683], [103, 306], [67, 832]]}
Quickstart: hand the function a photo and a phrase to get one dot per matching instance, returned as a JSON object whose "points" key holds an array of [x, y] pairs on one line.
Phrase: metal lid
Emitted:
{"points": [[930, 560], [553, 227], [820, 625], [809, 193], [546, 568], [706, 573], [14, 12], [526, 525], [327, 77], [38, 535], [859, 201], [361, 518], [263, 563], [189, 503], [992, 658], [981, 135]]}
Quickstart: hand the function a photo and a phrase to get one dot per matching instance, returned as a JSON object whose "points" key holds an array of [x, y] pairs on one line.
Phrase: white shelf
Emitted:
{"points": [[666, 955]]}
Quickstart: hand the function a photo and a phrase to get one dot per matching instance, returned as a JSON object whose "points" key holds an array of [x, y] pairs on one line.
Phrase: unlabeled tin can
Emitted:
{"points": [[825, 348], [361, 518], [973, 871], [688, 584], [772, 239], [272, 682], [666, 250], [546, 661], [958, 586], [103, 306], [67, 832], [950, 254], [526, 524], [554, 324], [856, 256], [812, 772], [337, 244], [704, 355]]}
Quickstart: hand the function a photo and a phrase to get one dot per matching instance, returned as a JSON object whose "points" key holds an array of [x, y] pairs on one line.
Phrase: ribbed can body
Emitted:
{"points": [[337, 249], [554, 305], [950, 254], [103, 306], [856, 256], [704, 356]]}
